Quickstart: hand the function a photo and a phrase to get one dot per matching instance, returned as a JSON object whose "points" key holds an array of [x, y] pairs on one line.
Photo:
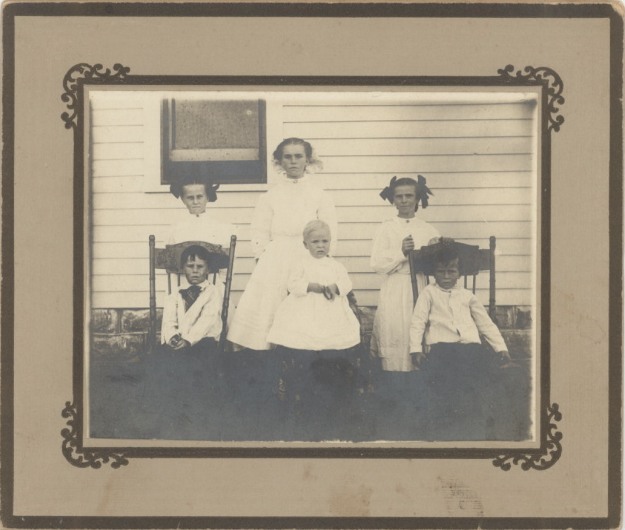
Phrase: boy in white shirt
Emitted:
{"points": [[451, 319], [193, 314]]}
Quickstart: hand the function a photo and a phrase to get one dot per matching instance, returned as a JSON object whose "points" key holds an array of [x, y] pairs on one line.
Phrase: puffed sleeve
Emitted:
{"points": [[327, 213], [384, 257], [419, 321], [342, 279], [297, 283], [260, 229]]}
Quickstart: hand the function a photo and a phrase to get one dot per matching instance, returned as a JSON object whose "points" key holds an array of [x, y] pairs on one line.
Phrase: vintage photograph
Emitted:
{"points": [[312, 264]]}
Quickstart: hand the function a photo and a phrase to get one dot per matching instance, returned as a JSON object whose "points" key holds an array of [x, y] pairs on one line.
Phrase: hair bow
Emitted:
{"points": [[211, 192], [175, 189], [387, 193], [422, 191]]}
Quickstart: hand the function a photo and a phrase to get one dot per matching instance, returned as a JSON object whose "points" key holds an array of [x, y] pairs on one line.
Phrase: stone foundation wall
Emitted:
{"points": [[124, 331]]}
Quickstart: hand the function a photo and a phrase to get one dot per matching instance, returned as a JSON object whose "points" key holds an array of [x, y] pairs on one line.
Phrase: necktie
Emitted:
{"points": [[190, 295]]}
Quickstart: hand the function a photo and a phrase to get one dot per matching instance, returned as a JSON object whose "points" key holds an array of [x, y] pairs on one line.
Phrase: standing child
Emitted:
{"points": [[316, 313], [451, 319], [393, 241], [316, 331]]}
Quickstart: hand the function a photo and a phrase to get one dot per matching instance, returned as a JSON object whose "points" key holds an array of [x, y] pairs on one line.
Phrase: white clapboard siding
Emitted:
{"points": [[478, 159], [366, 182], [404, 112], [120, 202]]}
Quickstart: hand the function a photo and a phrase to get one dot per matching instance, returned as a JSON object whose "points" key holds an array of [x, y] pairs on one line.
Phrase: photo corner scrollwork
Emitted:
{"points": [[78, 456], [550, 79], [80, 72], [549, 454]]}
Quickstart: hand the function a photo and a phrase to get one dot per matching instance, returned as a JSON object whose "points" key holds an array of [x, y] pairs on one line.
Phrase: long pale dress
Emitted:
{"points": [[390, 339], [277, 241], [309, 321]]}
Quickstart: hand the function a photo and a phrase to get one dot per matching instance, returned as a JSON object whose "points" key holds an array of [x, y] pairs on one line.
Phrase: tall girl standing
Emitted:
{"points": [[390, 340], [277, 225]]}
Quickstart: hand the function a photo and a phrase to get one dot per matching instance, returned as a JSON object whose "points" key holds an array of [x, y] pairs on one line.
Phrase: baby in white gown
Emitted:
{"points": [[316, 314]]}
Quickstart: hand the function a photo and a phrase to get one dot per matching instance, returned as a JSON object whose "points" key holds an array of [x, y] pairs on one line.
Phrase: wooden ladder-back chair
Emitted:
{"points": [[473, 260], [168, 258]]}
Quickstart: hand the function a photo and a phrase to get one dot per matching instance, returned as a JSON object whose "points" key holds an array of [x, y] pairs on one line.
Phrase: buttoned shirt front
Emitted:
{"points": [[451, 316]]}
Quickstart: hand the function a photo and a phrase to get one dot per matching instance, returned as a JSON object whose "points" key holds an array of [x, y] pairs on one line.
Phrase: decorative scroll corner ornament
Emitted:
{"points": [[71, 83], [80, 457], [552, 82], [549, 454]]}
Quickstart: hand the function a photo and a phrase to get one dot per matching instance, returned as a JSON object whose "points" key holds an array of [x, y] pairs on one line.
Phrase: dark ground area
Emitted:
{"points": [[299, 396]]}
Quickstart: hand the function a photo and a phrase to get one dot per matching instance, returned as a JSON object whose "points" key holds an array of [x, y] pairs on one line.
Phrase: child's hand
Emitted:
{"points": [[334, 289], [418, 358], [182, 344], [315, 288], [328, 292], [174, 341], [407, 245], [505, 361]]}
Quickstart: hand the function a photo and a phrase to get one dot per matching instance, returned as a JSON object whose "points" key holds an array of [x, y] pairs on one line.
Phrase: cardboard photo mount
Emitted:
{"points": [[325, 485]]}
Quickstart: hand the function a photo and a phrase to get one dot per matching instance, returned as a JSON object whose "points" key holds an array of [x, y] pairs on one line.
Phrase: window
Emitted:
{"points": [[225, 139]]}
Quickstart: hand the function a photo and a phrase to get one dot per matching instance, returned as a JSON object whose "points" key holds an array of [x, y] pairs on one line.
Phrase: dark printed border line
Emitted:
{"points": [[82, 74]]}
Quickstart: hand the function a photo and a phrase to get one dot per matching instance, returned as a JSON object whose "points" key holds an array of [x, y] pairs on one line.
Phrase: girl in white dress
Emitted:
{"points": [[390, 339], [316, 314], [277, 225]]}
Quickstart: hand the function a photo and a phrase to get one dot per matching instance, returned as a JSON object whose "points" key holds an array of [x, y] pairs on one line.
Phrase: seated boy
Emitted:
{"points": [[452, 319], [193, 314]]}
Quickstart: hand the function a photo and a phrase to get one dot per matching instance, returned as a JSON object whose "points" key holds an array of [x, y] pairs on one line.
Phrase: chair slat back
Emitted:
{"points": [[473, 260]]}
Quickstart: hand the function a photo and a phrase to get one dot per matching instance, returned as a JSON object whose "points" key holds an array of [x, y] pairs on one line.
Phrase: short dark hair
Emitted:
{"points": [[194, 251], [446, 254]]}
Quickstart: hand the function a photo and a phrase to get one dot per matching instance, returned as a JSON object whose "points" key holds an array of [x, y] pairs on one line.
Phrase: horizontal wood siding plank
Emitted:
{"points": [[106, 134], [115, 168], [435, 180], [335, 181], [502, 229], [366, 298], [116, 101], [245, 265], [401, 111], [492, 212], [410, 129], [345, 214], [345, 248], [139, 282], [110, 117], [421, 146], [118, 151], [356, 198], [427, 163]]}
